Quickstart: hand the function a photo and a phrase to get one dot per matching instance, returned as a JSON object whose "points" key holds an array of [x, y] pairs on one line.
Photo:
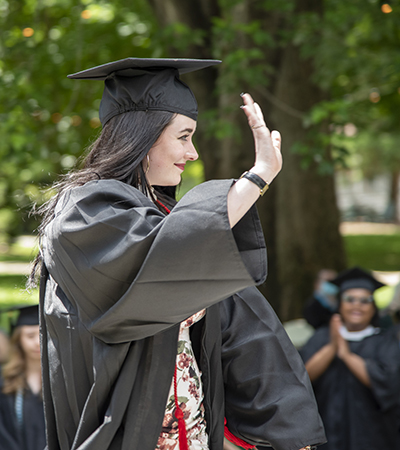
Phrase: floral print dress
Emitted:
{"points": [[190, 396]]}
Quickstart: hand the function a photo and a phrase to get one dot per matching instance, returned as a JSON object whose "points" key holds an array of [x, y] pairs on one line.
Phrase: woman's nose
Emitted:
{"points": [[192, 154]]}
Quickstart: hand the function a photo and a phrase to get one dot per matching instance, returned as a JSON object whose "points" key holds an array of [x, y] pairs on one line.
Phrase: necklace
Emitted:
{"points": [[153, 192]]}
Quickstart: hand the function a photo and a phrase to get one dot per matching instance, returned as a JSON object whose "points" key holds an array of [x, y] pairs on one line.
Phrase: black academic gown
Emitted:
{"points": [[317, 314], [31, 436], [356, 417], [118, 278]]}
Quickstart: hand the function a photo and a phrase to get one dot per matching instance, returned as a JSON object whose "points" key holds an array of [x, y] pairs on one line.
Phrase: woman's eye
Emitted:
{"points": [[185, 137]]}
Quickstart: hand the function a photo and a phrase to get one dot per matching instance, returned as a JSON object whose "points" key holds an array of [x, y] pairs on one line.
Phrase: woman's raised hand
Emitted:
{"points": [[268, 157], [268, 162]]}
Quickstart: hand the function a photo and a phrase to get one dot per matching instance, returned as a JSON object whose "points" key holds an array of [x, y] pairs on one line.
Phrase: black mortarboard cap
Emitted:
{"points": [[145, 84], [356, 278], [29, 315], [17, 315]]}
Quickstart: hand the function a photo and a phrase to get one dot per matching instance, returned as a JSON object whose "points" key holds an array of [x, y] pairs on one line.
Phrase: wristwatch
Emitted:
{"points": [[254, 178]]}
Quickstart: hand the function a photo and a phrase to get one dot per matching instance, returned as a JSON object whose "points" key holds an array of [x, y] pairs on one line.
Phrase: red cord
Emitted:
{"points": [[183, 443], [235, 440]]}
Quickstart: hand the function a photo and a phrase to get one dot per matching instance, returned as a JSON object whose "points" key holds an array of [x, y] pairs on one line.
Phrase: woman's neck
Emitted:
{"points": [[34, 375]]}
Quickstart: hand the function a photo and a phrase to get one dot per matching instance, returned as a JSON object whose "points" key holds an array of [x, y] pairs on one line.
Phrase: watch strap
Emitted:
{"points": [[257, 180]]}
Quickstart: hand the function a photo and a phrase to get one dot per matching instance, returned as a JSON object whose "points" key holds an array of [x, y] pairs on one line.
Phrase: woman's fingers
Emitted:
{"points": [[253, 112], [259, 112], [268, 158], [276, 139]]}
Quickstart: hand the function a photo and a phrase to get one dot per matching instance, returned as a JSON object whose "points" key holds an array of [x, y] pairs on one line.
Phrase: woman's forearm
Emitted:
{"points": [[241, 197]]}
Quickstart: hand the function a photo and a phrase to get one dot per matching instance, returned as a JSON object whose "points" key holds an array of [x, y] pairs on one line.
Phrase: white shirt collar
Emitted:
{"points": [[358, 335]]}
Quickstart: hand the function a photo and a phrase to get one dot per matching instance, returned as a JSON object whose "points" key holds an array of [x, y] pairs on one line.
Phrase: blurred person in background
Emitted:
{"points": [[4, 346], [355, 369], [323, 303], [21, 405]]}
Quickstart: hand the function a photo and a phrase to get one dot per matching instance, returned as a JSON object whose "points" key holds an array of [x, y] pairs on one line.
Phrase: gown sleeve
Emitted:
{"points": [[384, 372], [130, 272], [268, 394]]}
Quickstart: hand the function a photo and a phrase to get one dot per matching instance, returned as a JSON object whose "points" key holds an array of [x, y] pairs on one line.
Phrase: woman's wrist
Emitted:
{"points": [[257, 180], [263, 171]]}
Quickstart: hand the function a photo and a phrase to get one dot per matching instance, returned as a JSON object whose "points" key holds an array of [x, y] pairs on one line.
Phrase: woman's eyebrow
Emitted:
{"points": [[187, 130]]}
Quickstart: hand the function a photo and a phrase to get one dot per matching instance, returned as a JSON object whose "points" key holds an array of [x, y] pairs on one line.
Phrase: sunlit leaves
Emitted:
{"points": [[97, 12]]}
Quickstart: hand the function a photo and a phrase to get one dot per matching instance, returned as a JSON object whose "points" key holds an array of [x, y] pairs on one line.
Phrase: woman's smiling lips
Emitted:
{"points": [[180, 166]]}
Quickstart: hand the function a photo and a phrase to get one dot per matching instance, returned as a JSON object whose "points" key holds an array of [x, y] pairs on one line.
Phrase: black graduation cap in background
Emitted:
{"points": [[29, 315], [145, 84], [19, 315], [356, 278]]}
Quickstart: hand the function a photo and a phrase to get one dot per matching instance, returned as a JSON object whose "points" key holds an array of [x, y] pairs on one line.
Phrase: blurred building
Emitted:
{"points": [[367, 200]]}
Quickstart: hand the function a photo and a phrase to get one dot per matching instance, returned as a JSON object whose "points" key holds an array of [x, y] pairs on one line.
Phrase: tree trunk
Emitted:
{"points": [[393, 207], [307, 220], [299, 212]]}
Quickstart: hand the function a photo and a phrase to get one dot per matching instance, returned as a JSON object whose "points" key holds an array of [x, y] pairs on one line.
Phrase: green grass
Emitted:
{"points": [[374, 252], [18, 252], [12, 287], [12, 292], [5, 257]]}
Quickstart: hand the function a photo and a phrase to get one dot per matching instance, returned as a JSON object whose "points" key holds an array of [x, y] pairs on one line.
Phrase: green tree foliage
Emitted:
{"points": [[361, 72], [358, 63], [46, 119]]}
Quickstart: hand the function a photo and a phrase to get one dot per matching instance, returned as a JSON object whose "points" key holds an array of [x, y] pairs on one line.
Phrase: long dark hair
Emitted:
{"points": [[118, 154]]}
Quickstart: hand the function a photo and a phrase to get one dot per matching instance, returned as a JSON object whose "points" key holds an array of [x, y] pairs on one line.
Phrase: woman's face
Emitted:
{"points": [[355, 310], [30, 342], [168, 156]]}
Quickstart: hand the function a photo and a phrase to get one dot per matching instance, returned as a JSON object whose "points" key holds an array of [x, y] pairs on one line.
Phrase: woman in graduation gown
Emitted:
{"points": [[153, 333], [21, 405], [355, 370]]}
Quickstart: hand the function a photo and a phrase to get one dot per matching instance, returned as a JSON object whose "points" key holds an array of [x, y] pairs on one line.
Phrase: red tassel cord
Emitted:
{"points": [[235, 440], [183, 443], [163, 206]]}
